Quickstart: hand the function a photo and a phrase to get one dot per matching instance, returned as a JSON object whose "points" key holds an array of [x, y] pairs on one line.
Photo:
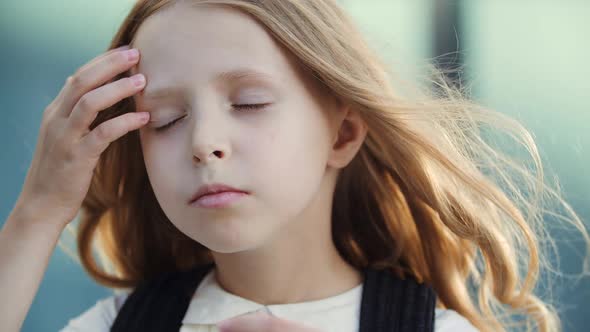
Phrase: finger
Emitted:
{"points": [[94, 76], [87, 108], [101, 56], [261, 322], [92, 62], [100, 137], [278, 324], [257, 321]]}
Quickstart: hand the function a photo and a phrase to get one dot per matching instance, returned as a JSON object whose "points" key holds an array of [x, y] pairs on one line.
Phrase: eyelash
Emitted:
{"points": [[242, 106]]}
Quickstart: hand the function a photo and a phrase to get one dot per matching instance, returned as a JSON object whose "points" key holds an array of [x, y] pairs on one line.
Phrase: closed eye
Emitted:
{"points": [[237, 106], [250, 106], [168, 125]]}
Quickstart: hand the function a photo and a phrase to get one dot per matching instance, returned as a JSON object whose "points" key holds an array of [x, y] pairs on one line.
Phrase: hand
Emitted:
{"points": [[261, 322], [67, 152]]}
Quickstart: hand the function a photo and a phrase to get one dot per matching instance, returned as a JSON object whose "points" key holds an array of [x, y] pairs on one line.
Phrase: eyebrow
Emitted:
{"points": [[225, 76]]}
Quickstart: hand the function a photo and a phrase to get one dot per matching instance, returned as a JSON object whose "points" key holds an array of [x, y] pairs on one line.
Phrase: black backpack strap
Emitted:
{"points": [[159, 304], [390, 304]]}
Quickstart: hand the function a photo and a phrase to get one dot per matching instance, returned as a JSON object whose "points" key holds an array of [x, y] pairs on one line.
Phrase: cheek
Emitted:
{"points": [[288, 160], [160, 163], [280, 151]]}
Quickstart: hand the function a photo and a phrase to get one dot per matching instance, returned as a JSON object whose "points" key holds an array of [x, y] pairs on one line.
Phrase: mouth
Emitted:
{"points": [[216, 195], [219, 200]]}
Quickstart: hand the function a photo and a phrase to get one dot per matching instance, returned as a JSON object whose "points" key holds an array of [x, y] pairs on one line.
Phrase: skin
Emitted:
{"points": [[274, 245], [59, 175]]}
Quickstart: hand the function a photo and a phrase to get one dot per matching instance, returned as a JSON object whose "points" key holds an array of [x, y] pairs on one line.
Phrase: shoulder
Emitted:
{"points": [[447, 320], [99, 317]]}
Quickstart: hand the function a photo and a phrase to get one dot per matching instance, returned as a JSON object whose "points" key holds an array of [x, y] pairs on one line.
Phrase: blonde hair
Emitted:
{"points": [[427, 195]]}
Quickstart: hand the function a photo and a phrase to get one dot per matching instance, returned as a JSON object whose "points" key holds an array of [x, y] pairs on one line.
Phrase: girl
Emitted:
{"points": [[276, 169]]}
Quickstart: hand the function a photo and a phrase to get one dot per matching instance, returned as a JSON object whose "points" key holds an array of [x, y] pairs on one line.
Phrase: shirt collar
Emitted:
{"points": [[212, 304]]}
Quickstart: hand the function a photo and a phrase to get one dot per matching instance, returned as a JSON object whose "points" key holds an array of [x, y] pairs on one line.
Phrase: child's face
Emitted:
{"points": [[279, 153]]}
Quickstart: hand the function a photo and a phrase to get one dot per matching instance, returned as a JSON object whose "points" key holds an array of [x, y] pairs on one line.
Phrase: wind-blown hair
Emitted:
{"points": [[428, 195]]}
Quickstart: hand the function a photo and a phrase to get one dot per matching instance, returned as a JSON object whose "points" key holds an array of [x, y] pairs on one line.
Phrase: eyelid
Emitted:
{"points": [[247, 106], [252, 93], [169, 124], [256, 92]]}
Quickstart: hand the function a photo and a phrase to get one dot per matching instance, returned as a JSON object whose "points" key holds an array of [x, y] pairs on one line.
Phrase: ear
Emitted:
{"points": [[350, 132]]}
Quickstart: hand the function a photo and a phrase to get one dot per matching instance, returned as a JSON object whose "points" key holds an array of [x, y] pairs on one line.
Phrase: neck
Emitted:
{"points": [[295, 266], [263, 277]]}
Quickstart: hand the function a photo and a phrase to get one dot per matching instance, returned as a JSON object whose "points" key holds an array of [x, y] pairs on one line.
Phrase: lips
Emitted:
{"points": [[213, 188]]}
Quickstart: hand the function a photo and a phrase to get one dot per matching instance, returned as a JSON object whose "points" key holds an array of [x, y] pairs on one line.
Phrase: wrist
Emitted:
{"points": [[28, 215]]}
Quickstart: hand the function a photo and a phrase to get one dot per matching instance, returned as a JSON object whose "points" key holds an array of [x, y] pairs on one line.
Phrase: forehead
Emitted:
{"points": [[191, 44]]}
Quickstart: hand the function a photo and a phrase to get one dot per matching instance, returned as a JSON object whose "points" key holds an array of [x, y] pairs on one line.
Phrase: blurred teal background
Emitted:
{"points": [[529, 59]]}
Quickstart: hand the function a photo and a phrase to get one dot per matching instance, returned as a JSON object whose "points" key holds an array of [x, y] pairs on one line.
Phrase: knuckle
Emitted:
{"points": [[85, 103], [46, 121], [102, 132], [48, 110], [75, 122], [75, 81]]}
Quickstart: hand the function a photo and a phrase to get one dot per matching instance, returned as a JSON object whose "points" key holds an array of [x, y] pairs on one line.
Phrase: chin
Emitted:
{"points": [[229, 240], [228, 246]]}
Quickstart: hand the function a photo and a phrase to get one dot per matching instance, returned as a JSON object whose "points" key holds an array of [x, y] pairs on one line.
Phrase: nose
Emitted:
{"points": [[200, 158], [208, 141]]}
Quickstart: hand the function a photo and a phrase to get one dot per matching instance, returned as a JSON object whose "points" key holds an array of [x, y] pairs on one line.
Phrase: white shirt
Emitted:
{"points": [[211, 304]]}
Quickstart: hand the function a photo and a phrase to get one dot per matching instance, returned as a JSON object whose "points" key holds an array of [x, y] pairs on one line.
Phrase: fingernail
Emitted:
{"points": [[138, 79], [144, 116], [132, 54]]}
